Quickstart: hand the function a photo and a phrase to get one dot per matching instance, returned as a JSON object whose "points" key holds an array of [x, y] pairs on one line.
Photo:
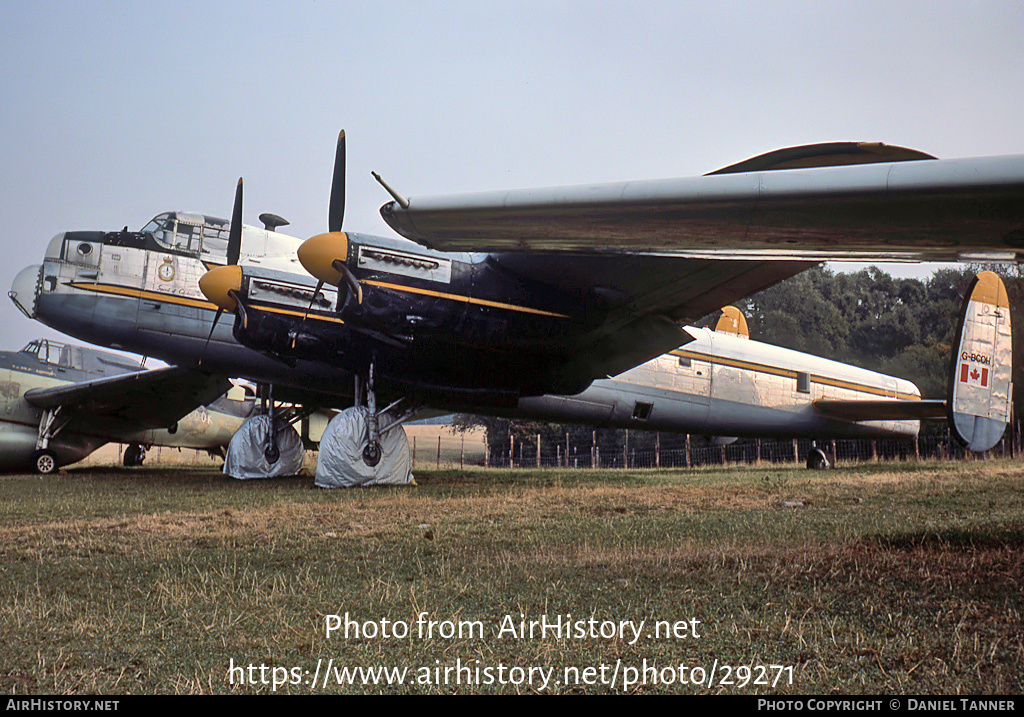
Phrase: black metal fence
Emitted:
{"points": [[750, 451]]}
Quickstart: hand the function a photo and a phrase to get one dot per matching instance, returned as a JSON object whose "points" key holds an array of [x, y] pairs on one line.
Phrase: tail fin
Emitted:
{"points": [[731, 320], [981, 387]]}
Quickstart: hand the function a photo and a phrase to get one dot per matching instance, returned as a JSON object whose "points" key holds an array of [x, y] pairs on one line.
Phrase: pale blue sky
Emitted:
{"points": [[113, 112]]}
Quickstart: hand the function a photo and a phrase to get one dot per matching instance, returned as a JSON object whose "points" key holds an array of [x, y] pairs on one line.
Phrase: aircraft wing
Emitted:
{"points": [[882, 409], [913, 209], [136, 401]]}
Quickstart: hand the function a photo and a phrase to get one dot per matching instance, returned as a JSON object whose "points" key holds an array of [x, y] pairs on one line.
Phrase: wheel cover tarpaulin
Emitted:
{"points": [[340, 463], [245, 457]]}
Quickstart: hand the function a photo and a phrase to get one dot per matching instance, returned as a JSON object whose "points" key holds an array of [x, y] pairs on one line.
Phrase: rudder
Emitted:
{"points": [[981, 386]]}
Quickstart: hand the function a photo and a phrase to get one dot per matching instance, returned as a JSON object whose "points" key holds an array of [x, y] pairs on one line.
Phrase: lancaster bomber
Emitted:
{"points": [[567, 303]]}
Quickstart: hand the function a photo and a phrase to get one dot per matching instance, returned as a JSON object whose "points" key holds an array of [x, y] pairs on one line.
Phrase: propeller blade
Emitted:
{"points": [[235, 235], [316, 292], [216, 318], [337, 209]]}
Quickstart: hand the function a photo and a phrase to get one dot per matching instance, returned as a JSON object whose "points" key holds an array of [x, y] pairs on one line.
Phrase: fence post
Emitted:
{"points": [[657, 449], [538, 450], [689, 463], [796, 452]]}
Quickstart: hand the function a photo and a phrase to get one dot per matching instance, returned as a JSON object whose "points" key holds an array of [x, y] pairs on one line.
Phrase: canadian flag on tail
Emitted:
{"points": [[972, 375]]}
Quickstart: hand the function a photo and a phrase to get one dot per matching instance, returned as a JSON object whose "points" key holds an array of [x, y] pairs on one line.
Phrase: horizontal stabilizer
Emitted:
{"points": [[981, 386], [881, 410]]}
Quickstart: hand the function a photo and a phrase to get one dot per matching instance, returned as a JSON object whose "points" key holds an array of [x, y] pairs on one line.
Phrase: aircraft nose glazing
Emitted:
{"points": [[25, 288], [218, 285]]}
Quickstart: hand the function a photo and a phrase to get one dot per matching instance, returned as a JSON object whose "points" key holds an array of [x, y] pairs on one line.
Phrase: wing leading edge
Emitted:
{"points": [[923, 209]]}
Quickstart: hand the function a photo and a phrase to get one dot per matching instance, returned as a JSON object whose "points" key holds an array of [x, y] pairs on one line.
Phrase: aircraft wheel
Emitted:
{"points": [[134, 454], [817, 460], [44, 462], [372, 454], [272, 453]]}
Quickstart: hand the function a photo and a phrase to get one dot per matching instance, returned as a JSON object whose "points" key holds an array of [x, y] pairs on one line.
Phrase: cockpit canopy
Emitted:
{"points": [[80, 358], [194, 233], [56, 353]]}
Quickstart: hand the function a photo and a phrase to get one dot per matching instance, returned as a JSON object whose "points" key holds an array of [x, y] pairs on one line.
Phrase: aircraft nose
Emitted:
{"points": [[25, 288], [318, 254], [219, 284]]}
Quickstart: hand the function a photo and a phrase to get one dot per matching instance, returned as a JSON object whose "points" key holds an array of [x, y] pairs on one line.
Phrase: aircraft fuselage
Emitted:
{"points": [[457, 331]]}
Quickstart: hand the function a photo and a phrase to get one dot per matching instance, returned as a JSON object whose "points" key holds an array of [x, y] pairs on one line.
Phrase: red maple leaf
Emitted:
{"points": [[975, 374]]}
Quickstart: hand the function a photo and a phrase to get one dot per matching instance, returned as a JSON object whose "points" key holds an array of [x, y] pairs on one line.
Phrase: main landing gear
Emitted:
{"points": [[265, 445], [366, 446], [134, 455], [817, 460], [51, 423]]}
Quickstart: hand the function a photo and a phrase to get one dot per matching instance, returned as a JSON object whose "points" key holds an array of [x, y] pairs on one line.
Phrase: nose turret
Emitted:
{"points": [[25, 289]]}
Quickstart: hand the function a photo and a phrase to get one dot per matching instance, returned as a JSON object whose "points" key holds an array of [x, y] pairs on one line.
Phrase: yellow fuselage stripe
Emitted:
{"points": [[464, 299], [201, 304], [186, 301], [791, 373]]}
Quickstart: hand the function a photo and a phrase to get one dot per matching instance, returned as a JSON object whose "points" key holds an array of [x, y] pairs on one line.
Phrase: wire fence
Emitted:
{"points": [[752, 451]]}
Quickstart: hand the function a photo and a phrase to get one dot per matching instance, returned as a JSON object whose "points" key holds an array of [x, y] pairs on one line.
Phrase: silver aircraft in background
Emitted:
{"points": [[59, 403], [565, 304]]}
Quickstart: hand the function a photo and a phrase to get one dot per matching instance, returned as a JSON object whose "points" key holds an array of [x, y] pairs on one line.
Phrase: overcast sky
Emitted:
{"points": [[114, 112]]}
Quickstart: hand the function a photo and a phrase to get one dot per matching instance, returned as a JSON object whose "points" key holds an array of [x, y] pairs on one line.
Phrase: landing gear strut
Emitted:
{"points": [[372, 451], [271, 451]]}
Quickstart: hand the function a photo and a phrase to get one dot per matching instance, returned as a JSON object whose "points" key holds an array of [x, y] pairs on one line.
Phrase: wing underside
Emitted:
{"points": [[881, 410], [641, 300], [133, 401]]}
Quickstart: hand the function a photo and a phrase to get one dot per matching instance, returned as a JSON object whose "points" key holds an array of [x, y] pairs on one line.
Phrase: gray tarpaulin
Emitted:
{"points": [[341, 463], [245, 459]]}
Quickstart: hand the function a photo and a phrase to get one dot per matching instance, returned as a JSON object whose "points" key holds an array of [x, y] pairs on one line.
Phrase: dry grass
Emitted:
{"points": [[885, 579]]}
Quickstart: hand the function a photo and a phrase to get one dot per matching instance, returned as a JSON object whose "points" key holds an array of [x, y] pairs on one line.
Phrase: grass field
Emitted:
{"points": [[885, 578]]}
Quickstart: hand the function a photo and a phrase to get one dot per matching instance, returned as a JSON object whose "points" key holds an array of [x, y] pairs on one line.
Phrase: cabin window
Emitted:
{"points": [[684, 361], [162, 229], [803, 382], [642, 411], [215, 236], [188, 237]]}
